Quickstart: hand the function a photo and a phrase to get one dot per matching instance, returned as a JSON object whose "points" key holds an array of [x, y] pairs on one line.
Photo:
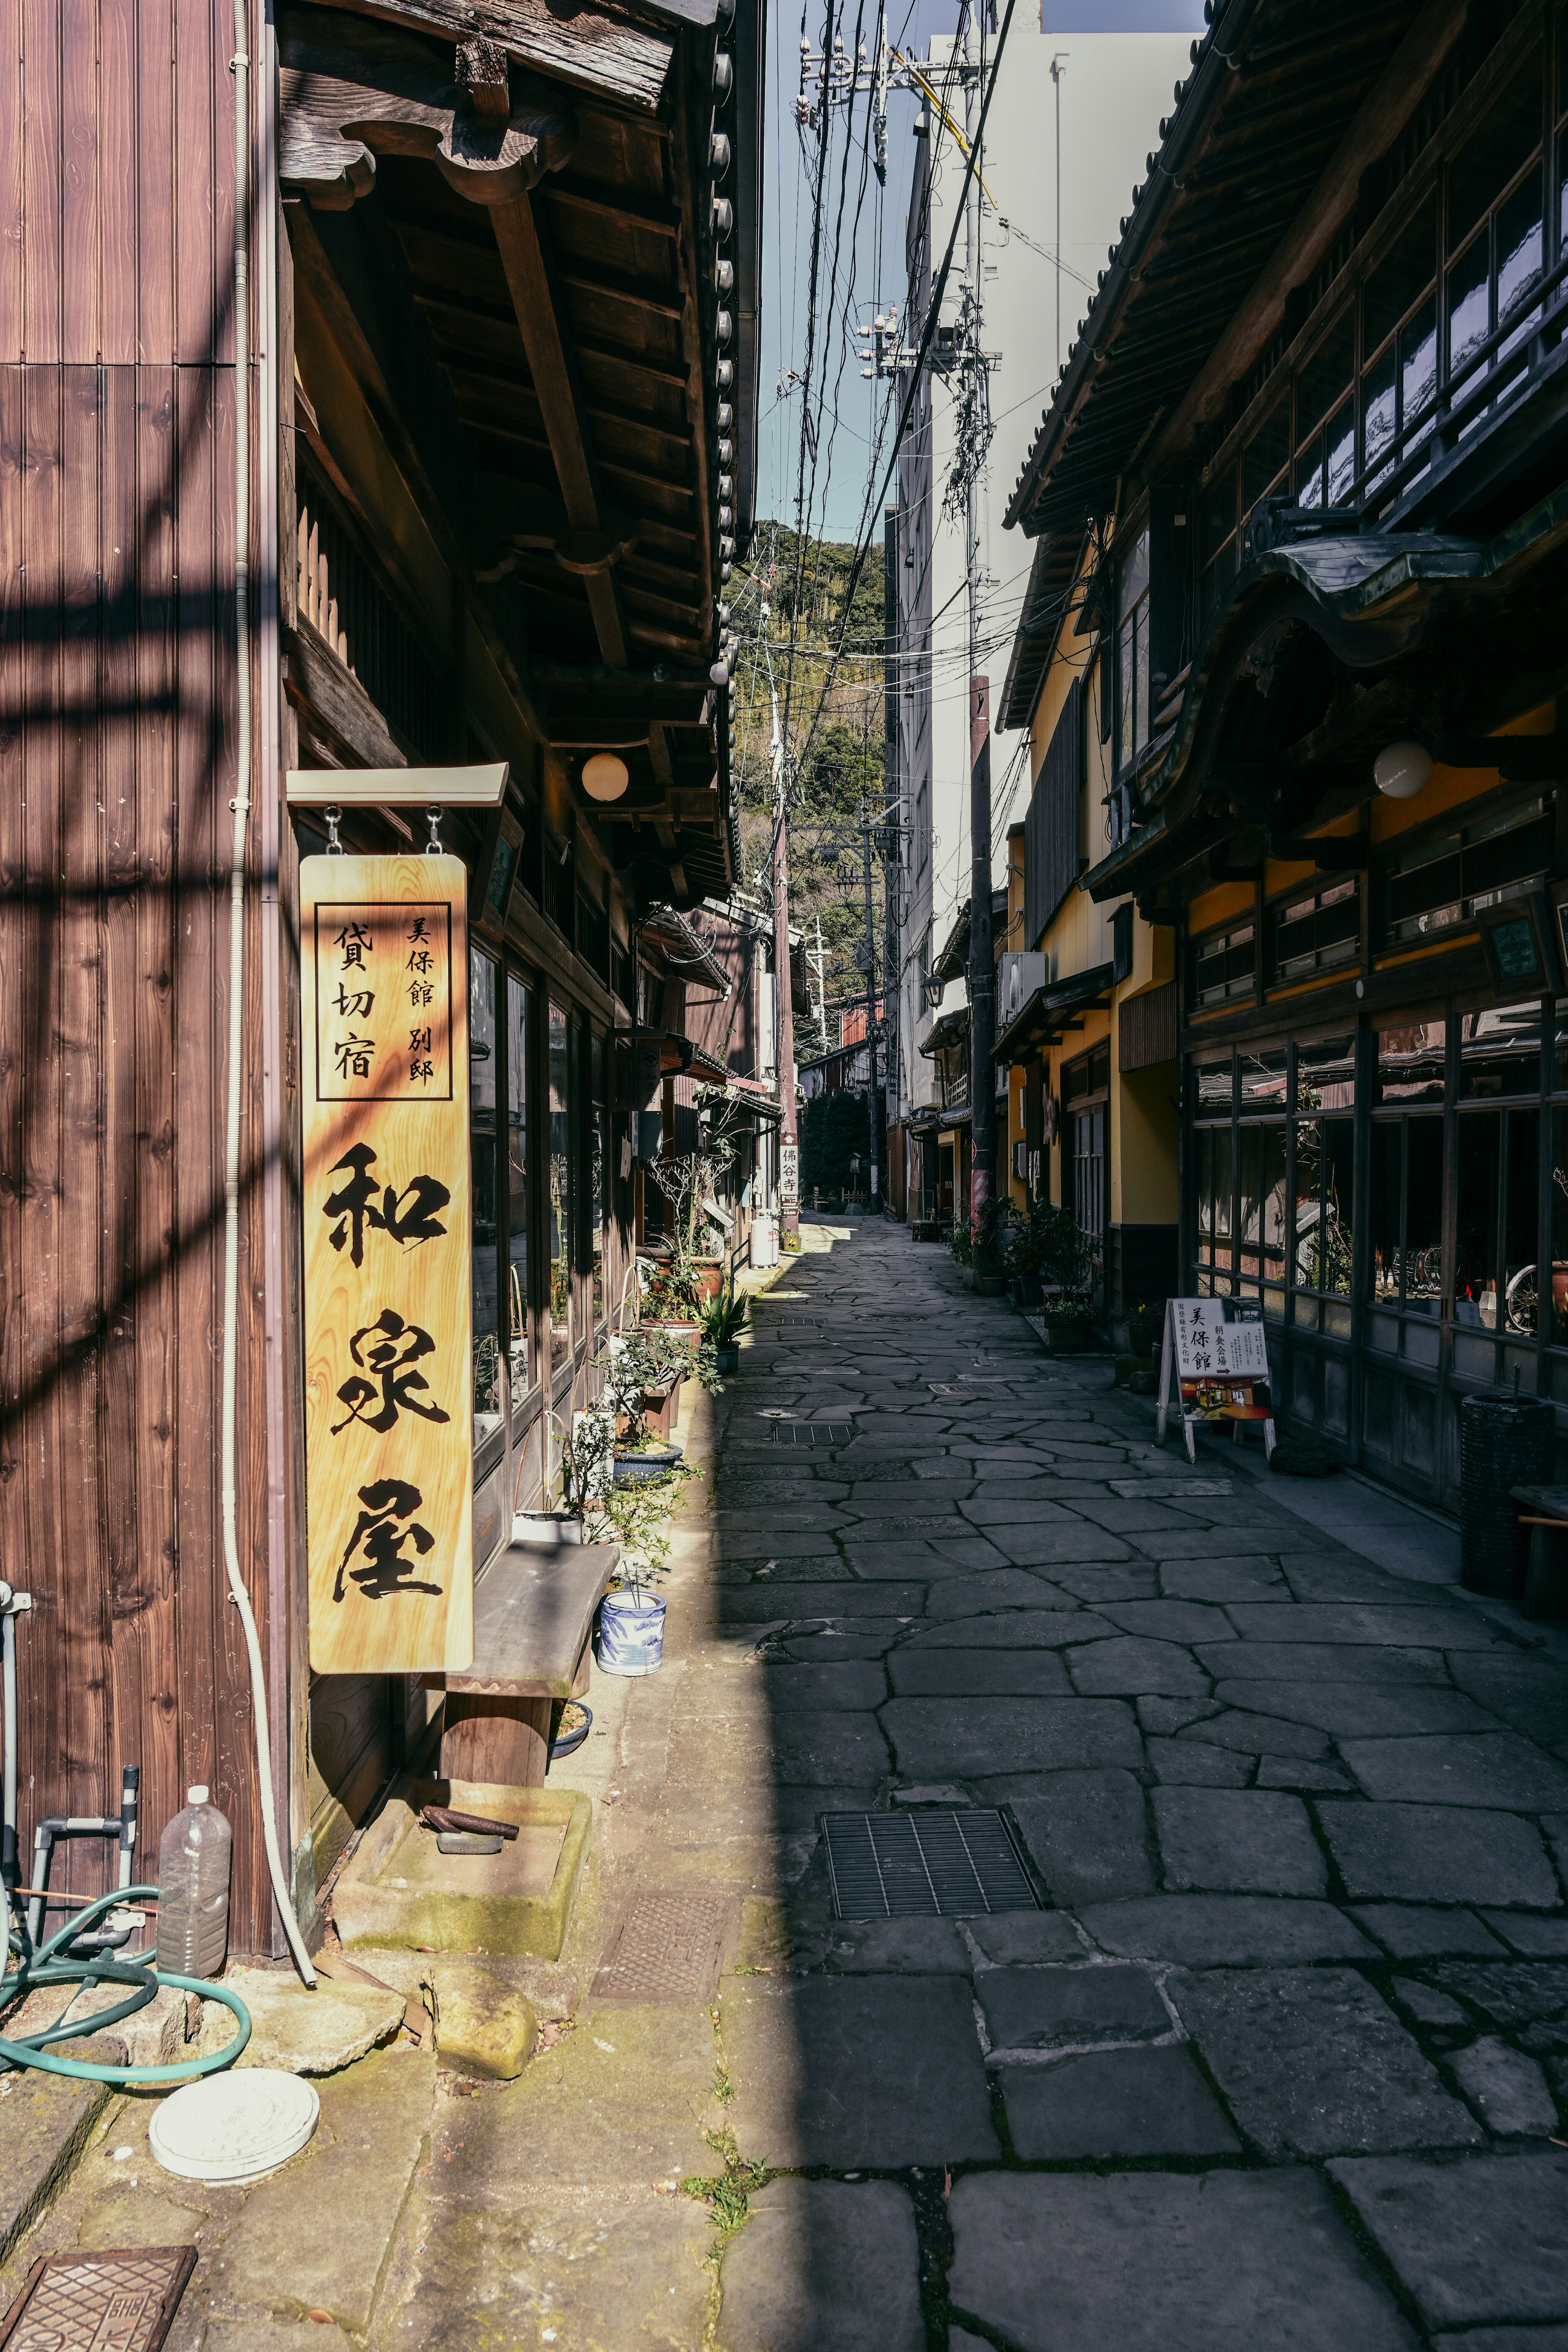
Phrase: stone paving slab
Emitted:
{"points": [[1494, 1768], [1089, 1833], [823, 2266], [1238, 1842], [931, 1736], [1220, 2262], [1420, 1853], [852, 2073], [1314, 2062], [1484, 2242], [1115, 2104], [1070, 2008], [1225, 1930]]}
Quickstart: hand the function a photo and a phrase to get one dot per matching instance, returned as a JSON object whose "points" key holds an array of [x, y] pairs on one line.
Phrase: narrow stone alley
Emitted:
{"points": [[1276, 2061]]}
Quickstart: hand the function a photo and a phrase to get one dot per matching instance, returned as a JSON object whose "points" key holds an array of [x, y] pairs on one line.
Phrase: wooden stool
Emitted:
{"points": [[533, 1617]]}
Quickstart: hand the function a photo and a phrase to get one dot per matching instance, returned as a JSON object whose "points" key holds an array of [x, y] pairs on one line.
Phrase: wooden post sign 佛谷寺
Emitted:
{"points": [[384, 1016]]}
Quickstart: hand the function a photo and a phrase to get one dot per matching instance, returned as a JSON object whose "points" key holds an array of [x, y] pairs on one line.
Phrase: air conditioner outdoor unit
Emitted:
{"points": [[1021, 1160], [1023, 971]]}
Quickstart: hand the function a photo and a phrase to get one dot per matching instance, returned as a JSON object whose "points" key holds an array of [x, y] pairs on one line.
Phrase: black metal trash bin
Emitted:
{"points": [[1501, 1444]]}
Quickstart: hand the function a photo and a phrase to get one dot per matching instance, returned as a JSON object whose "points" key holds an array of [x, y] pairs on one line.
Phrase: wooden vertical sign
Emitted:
{"points": [[389, 1449]]}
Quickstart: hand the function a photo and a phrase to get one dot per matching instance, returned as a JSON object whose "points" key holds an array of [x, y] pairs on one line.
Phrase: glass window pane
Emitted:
{"points": [[561, 1203], [1206, 1191], [1469, 303], [1309, 472], [518, 1202], [1496, 149], [1214, 1088], [1379, 407], [1520, 245], [1327, 374], [1308, 1203], [1325, 1074], [1339, 1202], [1222, 1191], [1250, 1146], [1475, 1275], [1560, 1228], [1383, 1261], [1411, 1062], [1519, 1268], [1404, 273], [1500, 1052], [601, 1171], [1124, 681], [486, 1259], [1134, 577], [1141, 720], [1339, 437], [1263, 1080], [1424, 1215], [1266, 455], [1418, 364], [1274, 1203]]}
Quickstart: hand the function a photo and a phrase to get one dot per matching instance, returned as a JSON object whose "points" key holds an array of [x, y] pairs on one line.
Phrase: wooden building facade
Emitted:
{"points": [[1316, 421], [504, 292]]}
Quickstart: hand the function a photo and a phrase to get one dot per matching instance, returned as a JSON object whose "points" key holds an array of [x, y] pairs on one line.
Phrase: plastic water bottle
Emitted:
{"points": [[193, 1889]]}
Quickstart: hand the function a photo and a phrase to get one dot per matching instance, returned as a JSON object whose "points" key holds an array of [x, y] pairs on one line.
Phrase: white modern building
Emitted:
{"points": [[1112, 90]]}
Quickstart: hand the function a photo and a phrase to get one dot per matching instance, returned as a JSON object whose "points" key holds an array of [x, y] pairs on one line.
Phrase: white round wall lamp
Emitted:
{"points": [[1401, 770], [604, 777]]}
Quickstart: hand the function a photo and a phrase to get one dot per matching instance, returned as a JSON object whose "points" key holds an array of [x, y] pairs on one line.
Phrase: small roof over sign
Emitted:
{"points": [[474, 787]]}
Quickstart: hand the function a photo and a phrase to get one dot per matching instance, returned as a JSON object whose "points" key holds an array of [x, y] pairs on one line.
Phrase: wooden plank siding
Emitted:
{"points": [[117, 769]]}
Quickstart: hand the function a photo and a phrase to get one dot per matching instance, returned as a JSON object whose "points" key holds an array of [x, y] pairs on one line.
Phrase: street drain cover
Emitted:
{"points": [[667, 1947], [118, 2302], [812, 1433], [924, 1866], [800, 1322]]}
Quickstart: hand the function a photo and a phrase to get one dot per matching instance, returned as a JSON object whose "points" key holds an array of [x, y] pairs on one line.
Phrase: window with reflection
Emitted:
{"points": [[520, 1202], [1132, 652], [559, 1043], [483, 990], [1497, 1283], [1214, 1092], [1322, 1243], [599, 1172], [1405, 1201]]}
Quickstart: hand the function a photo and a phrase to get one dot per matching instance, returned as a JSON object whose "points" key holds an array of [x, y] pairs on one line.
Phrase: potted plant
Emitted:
{"points": [[689, 1181], [960, 1240], [988, 1259], [640, 1370], [1024, 1265], [721, 1319], [1068, 1260], [1146, 1327]]}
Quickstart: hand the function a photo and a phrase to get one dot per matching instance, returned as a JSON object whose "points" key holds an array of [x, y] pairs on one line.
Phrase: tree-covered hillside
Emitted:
{"points": [[788, 604]]}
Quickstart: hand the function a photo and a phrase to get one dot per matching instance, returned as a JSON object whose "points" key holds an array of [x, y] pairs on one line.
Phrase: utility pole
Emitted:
{"points": [[1059, 66], [789, 1141], [982, 960], [870, 992]]}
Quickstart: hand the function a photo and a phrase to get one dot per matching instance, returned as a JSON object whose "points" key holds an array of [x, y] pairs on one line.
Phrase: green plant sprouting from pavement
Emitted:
{"points": [[726, 2194]]}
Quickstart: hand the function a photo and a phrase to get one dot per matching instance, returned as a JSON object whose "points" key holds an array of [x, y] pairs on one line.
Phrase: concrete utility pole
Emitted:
{"points": [[982, 960], [789, 1141], [870, 992]]}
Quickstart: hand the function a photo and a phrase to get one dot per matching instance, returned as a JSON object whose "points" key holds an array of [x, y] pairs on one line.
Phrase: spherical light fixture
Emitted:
{"points": [[605, 776], [1401, 770]]}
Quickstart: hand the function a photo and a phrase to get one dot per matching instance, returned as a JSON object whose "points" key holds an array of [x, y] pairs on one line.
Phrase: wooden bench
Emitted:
{"points": [[1545, 1511], [533, 1616]]}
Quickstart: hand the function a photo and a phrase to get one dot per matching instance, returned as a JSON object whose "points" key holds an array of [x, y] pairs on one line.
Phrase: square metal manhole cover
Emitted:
{"points": [[812, 1433], [667, 1947], [117, 2302], [924, 1866]]}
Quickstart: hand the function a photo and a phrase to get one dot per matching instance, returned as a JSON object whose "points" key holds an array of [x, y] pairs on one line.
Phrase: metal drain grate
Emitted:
{"points": [[667, 1947], [800, 1322], [121, 2301], [924, 1866], [812, 1432]]}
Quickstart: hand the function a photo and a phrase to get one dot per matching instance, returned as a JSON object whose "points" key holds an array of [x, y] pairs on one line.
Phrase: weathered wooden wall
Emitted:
{"points": [[117, 751]]}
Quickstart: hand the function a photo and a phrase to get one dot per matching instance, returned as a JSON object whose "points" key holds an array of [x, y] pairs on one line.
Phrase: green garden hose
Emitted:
{"points": [[41, 1968]]}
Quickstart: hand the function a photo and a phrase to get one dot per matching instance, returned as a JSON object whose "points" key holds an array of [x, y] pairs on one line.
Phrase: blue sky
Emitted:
{"points": [[862, 286]]}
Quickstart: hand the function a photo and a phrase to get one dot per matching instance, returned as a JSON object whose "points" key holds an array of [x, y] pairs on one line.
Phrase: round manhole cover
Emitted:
{"points": [[234, 2126]]}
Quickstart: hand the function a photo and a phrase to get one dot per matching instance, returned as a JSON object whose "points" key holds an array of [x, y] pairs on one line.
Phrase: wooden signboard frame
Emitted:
{"points": [[1211, 1367], [383, 959]]}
